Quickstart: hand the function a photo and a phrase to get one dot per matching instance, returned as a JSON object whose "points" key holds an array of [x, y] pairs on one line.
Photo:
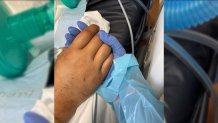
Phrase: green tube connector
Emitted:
{"points": [[16, 32], [71, 3], [31, 24]]}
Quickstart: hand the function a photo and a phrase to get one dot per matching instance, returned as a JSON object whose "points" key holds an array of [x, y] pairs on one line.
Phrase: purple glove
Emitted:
{"points": [[73, 32], [108, 39], [31, 117], [117, 48]]}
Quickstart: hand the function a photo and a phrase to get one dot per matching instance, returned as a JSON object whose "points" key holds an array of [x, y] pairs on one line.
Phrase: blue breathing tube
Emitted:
{"points": [[186, 14]]}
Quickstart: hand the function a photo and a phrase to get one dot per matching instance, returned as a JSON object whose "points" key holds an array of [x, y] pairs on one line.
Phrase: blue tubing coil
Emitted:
{"points": [[180, 14]]}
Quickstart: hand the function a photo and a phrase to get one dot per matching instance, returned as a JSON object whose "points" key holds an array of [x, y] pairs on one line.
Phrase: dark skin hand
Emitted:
{"points": [[79, 70]]}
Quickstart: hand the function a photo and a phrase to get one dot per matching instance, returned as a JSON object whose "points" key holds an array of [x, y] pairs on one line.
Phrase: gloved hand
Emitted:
{"points": [[117, 48], [127, 84], [108, 39], [31, 117], [73, 32]]}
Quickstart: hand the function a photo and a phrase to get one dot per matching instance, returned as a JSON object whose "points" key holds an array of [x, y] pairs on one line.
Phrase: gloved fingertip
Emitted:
{"points": [[102, 34], [70, 28], [110, 40], [68, 36], [69, 39], [73, 31], [31, 117], [82, 25], [105, 37]]}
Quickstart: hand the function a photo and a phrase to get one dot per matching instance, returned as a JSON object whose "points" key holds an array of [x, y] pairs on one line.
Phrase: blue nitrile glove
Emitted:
{"points": [[31, 117], [125, 83], [110, 40], [73, 32]]}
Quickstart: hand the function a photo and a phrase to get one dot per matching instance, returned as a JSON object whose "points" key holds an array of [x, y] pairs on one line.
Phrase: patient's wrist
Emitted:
{"points": [[67, 101]]}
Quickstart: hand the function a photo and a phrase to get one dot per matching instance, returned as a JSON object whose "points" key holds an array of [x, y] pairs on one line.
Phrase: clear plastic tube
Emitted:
{"points": [[197, 37], [188, 60]]}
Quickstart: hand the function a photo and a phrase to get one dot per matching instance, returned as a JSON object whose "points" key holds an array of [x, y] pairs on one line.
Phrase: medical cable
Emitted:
{"points": [[142, 5], [150, 31], [198, 37], [129, 26], [204, 104], [128, 22], [198, 107], [188, 60], [95, 109]]}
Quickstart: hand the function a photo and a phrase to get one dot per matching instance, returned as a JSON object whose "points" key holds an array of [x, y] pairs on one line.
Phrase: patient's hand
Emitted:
{"points": [[79, 70]]}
